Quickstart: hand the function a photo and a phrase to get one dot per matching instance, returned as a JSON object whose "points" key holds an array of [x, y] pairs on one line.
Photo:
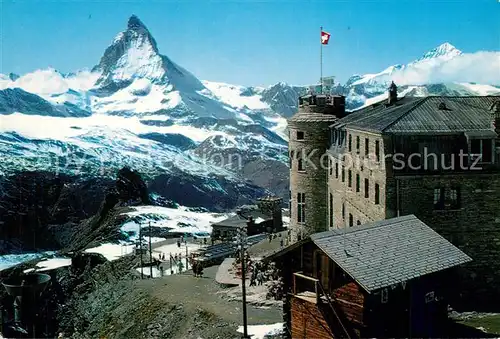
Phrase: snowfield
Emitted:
{"points": [[261, 331], [178, 220], [52, 264]]}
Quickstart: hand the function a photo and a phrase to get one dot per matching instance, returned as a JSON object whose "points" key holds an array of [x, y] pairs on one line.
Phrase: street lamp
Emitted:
{"points": [[241, 241]]}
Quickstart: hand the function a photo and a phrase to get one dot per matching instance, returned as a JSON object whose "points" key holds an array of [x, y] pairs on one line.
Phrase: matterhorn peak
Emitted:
{"points": [[134, 23], [133, 54]]}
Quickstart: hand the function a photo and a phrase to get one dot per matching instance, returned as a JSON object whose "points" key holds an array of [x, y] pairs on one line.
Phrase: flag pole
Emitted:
{"points": [[321, 60]]}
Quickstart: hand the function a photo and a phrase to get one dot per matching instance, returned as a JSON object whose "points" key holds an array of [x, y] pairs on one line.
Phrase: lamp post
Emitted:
{"points": [[150, 254], [242, 244], [140, 250]]}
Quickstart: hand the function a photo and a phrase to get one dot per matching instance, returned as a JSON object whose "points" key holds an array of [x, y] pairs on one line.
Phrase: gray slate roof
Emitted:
{"points": [[313, 117], [390, 251], [241, 220], [412, 115]]}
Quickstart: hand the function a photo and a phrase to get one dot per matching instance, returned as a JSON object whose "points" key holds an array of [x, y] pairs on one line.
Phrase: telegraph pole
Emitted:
{"points": [[187, 261], [140, 249], [150, 253], [242, 241]]}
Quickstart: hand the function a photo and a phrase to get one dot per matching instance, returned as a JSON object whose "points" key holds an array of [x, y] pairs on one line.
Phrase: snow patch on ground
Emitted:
{"points": [[174, 249], [261, 331], [178, 220], [169, 271], [53, 263], [112, 251], [11, 260]]}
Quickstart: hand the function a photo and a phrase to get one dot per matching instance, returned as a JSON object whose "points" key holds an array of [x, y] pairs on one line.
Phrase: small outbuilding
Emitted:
{"points": [[389, 278], [264, 217]]}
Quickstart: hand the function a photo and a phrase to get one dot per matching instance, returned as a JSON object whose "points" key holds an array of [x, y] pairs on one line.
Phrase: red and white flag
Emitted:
{"points": [[325, 36]]}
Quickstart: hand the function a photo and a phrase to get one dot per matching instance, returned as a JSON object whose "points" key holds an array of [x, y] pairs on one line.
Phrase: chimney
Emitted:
{"points": [[495, 122], [495, 116], [272, 206], [393, 94]]}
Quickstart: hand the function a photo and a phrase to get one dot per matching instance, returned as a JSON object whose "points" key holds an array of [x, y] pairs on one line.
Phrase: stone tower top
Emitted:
{"points": [[331, 105]]}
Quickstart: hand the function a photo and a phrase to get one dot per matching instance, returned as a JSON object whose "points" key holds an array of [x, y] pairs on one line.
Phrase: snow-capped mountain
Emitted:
{"points": [[444, 70], [139, 108]]}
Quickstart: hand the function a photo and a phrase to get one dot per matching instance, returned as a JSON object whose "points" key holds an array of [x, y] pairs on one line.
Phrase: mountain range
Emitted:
{"points": [[199, 143]]}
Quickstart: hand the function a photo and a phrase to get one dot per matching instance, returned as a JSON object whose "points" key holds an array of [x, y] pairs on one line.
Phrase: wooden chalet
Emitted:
{"points": [[264, 217], [384, 279]]}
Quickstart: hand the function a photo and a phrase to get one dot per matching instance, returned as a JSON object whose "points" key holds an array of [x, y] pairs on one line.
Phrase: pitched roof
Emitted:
{"points": [[240, 220], [411, 115], [387, 252]]}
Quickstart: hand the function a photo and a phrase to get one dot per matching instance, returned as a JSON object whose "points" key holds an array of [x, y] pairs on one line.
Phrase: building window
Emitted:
{"points": [[300, 165], [439, 198], [429, 297], [343, 211], [331, 167], [384, 296], [377, 194], [300, 135], [350, 142], [367, 188], [351, 220], [336, 170], [357, 144], [482, 148], [301, 207], [455, 198], [343, 174], [331, 210], [358, 182], [349, 178], [358, 222], [367, 146], [377, 150]]}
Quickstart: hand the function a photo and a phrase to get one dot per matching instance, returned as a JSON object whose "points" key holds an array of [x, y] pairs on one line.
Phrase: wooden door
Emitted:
{"points": [[322, 269]]}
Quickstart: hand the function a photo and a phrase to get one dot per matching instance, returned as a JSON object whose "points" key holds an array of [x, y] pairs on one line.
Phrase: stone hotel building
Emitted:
{"points": [[435, 157]]}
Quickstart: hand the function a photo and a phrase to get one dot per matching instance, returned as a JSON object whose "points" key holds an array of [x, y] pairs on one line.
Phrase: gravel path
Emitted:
{"points": [[194, 293]]}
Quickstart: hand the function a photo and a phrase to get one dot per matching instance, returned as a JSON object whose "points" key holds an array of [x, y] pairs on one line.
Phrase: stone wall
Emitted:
{"points": [[362, 209], [474, 227], [308, 321], [313, 180]]}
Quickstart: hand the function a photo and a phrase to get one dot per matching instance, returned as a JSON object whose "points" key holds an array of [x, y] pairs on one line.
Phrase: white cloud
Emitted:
{"points": [[480, 67]]}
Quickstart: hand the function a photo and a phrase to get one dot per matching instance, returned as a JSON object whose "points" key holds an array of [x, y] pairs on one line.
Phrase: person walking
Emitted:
{"points": [[260, 278], [253, 277], [195, 268]]}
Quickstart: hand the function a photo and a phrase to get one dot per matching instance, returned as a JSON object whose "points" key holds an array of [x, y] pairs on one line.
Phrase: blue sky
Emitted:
{"points": [[247, 42]]}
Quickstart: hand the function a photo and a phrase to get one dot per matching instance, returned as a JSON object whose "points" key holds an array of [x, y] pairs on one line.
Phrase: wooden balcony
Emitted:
{"points": [[306, 288], [309, 289]]}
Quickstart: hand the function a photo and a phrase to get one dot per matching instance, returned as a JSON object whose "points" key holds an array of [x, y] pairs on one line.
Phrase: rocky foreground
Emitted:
{"points": [[97, 298]]}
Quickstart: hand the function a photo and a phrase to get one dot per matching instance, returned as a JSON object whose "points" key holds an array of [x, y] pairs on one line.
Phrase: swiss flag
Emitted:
{"points": [[325, 36]]}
